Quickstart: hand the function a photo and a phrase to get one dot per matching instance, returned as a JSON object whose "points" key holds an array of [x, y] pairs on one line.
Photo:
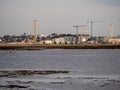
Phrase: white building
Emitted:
{"points": [[46, 42], [64, 39], [114, 40], [83, 38], [58, 40]]}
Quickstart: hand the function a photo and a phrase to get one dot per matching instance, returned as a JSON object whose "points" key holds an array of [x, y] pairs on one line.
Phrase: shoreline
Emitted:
{"points": [[56, 80], [56, 46]]}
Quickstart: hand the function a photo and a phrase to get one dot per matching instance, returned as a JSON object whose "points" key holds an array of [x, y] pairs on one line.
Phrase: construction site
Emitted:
{"points": [[62, 41]]}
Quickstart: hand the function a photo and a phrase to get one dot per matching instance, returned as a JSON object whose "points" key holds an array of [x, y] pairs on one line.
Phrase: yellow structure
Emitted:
{"points": [[33, 39], [35, 30]]}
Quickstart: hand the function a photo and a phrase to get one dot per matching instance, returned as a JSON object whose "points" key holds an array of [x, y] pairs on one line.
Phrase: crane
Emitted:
{"points": [[77, 26], [91, 23]]}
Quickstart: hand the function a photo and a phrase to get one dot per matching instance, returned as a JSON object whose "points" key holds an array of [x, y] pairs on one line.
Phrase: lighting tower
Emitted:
{"points": [[35, 30]]}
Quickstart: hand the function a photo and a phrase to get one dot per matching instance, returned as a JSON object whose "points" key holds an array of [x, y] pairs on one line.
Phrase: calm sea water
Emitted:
{"points": [[86, 61]]}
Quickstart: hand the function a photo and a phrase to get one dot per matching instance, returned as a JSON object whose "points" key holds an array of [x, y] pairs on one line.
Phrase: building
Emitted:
{"points": [[103, 39], [114, 40], [64, 39], [82, 38], [58, 40], [46, 41], [30, 39], [70, 39]]}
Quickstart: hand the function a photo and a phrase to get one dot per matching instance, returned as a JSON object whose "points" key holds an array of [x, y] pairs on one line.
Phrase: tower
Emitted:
{"points": [[35, 30], [111, 30]]}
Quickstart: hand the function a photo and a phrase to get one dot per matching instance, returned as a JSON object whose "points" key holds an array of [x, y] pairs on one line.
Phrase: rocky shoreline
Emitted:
{"points": [[56, 80]]}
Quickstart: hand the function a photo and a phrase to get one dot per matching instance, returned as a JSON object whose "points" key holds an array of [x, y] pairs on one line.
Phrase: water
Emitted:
{"points": [[87, 61], [90, 69]]}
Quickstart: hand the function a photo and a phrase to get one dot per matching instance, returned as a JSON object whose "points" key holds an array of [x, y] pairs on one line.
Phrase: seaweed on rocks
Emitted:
{"points": [[16, 73], [14, 86]]}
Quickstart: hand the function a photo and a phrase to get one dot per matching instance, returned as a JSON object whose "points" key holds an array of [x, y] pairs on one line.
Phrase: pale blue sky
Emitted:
{"points": [[58, 16]]}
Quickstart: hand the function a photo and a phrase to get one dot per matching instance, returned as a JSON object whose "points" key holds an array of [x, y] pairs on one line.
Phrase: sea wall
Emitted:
{"points": [[56, 46]]}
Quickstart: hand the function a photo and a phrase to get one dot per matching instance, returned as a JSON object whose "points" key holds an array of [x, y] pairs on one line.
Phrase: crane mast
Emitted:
{"points": [[91, 23]]}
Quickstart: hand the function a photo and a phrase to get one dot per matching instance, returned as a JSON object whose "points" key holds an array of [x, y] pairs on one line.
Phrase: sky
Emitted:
{"points": [[59, 16]]}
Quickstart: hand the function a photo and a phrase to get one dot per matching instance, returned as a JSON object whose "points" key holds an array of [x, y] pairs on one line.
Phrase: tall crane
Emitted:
{"points": [[91, 23]]}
